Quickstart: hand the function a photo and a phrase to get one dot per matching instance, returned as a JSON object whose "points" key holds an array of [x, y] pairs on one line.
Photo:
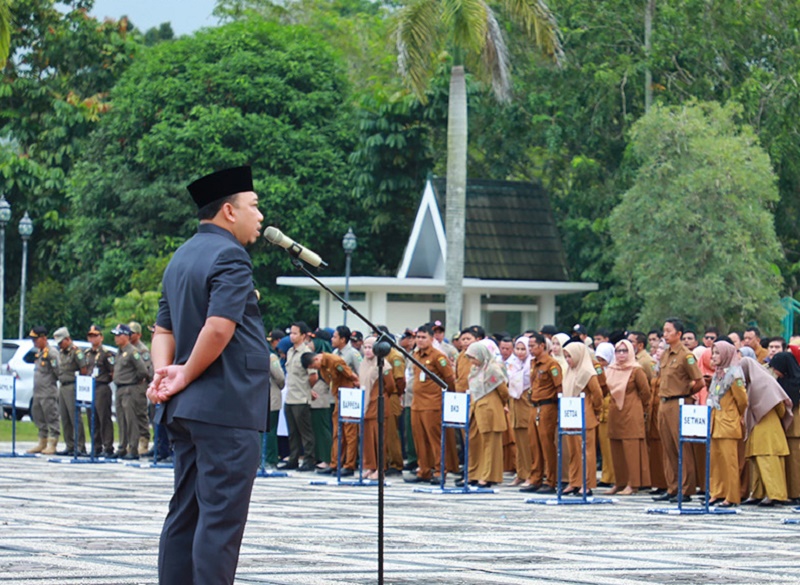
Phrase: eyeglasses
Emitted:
{"points": [[709, 336], [621, 350]]}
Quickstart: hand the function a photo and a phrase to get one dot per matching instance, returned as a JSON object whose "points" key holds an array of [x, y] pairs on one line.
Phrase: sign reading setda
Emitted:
{"points": [[571, 412], [351, 402]]}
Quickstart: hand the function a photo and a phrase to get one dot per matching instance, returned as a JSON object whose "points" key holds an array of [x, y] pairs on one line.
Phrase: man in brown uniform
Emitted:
{"points": [[337, 374], [71, 360], [426, 406], [546, 377], [393, 448], [752, 339], [100, 365], [680, 378], [639, 341]]}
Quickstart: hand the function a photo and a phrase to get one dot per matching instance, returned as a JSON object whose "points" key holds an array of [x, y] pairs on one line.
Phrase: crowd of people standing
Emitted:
{"points": [[633, 384]]}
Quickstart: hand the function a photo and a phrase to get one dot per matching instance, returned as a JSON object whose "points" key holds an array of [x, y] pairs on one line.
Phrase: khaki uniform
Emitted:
{"points": [[100, 364], [626, 430], [337, 374], [394, 408], [764, 449], [129, 372], [679, 371], [70, 361], [793, 460], [655, 451], [44, 410], [592, 409], [726, 434], [142, 418], [546, 379], [607, 469], [371, 417], [297, 408], [426, 410], [487, 424]]}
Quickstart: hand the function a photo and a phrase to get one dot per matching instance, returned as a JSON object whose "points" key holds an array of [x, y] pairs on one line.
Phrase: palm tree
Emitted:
{"points": [[5, 31], [470, 30]]}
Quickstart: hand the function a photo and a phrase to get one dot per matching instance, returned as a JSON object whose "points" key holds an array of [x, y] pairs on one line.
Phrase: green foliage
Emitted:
{"points": [[694, 235], [134, 306], [155, 35], [249, 92]]}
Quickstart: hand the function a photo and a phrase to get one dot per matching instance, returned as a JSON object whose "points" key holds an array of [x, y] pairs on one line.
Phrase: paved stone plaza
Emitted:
{"points": [[99, 524]]}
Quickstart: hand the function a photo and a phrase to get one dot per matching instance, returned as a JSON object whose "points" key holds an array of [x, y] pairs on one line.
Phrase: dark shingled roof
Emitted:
{"points": [[511, 233]]}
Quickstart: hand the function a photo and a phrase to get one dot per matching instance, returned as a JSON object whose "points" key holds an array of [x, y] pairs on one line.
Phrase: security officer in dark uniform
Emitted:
{"points": [[212, 372], [100, 365], [71, 360], [129, 371]]}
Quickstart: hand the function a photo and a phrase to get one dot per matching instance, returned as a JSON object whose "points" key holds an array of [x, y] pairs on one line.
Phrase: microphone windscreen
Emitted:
{"points": [[273, 235]]}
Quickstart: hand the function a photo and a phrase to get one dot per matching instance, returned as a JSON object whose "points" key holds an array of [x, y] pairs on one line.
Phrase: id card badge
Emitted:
{"points": [[422, 376], [95, 372]]}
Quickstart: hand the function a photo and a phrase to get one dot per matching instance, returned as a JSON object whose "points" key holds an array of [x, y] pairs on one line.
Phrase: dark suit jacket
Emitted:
{"points": [[211, 276]]}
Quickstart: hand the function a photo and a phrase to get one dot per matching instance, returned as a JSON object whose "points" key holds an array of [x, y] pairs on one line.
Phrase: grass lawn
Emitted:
{"points": [[27, 431]]}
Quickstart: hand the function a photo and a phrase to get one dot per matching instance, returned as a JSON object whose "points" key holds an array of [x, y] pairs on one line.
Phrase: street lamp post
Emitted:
{"points": [[25, 230], [5, 216], [349, 243]]}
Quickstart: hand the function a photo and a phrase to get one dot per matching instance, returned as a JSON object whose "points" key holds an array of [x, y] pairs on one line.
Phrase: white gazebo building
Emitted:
{"points": [[514, 266]]}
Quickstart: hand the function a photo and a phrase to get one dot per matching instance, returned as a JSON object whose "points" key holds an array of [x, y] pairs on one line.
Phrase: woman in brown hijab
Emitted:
{"points": [[488, 394], [368, 375], [630, 400], [582, 377], [769, 412], [727, 398]]}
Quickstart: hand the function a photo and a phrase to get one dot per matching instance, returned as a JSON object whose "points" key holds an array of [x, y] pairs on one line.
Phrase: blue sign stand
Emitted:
{"points": [[13, 453], [461, 423], [89, 405], [351, 420], [262, 468], [792, 520], [558, 500], [693, 438]]}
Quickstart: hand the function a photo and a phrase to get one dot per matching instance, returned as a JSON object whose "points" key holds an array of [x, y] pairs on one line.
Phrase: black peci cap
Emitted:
{"points": [[221, 184]]}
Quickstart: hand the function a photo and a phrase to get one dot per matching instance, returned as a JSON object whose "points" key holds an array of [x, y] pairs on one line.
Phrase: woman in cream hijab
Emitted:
{"points": [[488, 390], [582, 377], [630, 400], [557, 351]]}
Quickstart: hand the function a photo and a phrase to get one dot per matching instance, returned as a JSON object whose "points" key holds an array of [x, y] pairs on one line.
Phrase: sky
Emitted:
{"points": [[185, 16]]}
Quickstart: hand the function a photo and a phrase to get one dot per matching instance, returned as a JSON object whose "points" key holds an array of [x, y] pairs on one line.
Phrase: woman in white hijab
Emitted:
{"points": [[582, 377], [488, 390], [519, 407]]}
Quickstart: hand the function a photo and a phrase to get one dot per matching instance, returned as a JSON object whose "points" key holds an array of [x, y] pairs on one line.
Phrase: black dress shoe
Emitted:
{"points": [[131, 456], [325, 470], [415, 479], [346, 472], [460, 482], [751, 502], [287, 465], [306, 467], [765, 503], [64, 452], [674, 499], [411, 466], [436, 480], [392, 472], [545, 490], [570, 491], [665, 497], [530, 489], [109, 454], [657, 491], [726, 505]]}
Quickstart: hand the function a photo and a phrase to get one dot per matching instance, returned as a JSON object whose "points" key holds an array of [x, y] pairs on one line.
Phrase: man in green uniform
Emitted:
{"points": [[143, 418], [44, 411], [71, 361], [129, 371], [100, 365]]}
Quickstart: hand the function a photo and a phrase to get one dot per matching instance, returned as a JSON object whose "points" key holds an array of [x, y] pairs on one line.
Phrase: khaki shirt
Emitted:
{"points": [[463, 367], [679, 370], [276, 381], [100, 364], [643, 359], [45, 372], [129, 368], [298, 387], [70, 360], [145, 353], [546, 378], [427, 393], [350, 356]]}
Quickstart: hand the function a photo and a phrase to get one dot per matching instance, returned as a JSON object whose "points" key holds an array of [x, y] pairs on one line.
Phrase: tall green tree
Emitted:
{"points": [[5, 31], [471, 32], [694, 236], [249, 92]]}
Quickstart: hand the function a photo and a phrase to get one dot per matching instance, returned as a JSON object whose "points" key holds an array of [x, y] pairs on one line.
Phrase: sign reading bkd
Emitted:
{"points": [[455, 407], [351, 403], [571, 412]]}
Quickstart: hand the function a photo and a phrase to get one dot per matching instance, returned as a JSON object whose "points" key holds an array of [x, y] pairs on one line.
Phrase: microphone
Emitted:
{"points": [[276, 237]]}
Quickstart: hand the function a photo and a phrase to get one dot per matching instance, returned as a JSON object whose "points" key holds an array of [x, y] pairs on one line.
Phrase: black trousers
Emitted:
{"points": [[301, 433], [215, 468]]}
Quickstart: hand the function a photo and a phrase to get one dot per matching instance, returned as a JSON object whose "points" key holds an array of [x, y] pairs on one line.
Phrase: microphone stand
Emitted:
{"points": [[381, 349]]}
